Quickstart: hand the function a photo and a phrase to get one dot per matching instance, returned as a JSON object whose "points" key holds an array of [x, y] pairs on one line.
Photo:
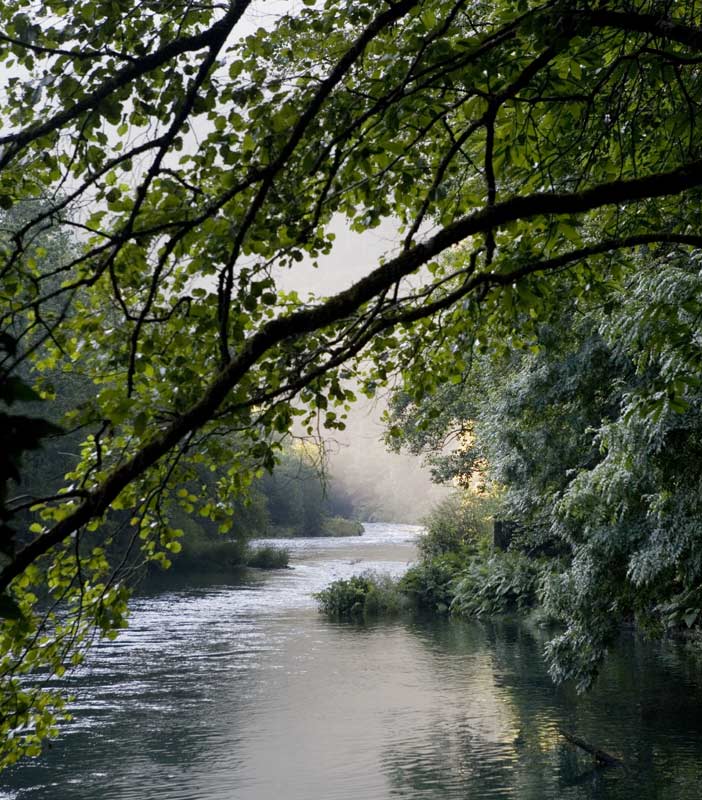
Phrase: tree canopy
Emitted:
{"points": [[528, 152], [594, 454]]}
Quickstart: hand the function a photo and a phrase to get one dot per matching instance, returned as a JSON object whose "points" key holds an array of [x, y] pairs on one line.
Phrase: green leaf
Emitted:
{"points": [[691, 616], [140, 423]]}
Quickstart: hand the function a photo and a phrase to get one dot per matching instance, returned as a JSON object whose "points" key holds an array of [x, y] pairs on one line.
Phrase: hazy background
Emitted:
{"points": [[384, 486]]}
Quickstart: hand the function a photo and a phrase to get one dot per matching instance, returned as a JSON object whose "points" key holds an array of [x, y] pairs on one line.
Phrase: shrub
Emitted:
{"points": [[384, 596], [345, 597], [268, 558], [368, 594], [459, 523], [505, 582], [430, 583]]}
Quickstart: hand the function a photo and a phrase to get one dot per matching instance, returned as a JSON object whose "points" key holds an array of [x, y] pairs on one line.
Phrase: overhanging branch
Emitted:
{"points": [[347, 302]]}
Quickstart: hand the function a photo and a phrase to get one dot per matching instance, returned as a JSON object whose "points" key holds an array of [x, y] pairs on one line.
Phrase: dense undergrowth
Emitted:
{"points": [[457, 573]]}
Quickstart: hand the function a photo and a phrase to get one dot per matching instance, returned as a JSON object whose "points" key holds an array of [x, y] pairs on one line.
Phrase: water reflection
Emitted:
{"points": [[243, 691], [645, 708]]}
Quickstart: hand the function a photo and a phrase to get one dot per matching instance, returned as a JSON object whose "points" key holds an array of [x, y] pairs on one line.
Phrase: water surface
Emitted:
{"points": [[242, 691]]}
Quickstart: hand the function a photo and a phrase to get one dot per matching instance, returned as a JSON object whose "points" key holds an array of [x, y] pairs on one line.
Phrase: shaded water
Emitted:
{"points": [[245, 692]]}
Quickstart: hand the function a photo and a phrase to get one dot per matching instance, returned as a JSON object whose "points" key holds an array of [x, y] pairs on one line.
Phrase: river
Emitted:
{"points": [[242, 691]]}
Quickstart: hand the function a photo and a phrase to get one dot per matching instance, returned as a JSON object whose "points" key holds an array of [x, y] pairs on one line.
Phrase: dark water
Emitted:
{"points": [[243, 692]]}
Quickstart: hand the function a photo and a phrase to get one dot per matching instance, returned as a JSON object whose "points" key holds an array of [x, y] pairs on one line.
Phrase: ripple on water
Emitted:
{"points": [[245, 692]]}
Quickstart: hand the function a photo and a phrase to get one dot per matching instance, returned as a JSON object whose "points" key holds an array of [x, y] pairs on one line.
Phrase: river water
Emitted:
{"points": [[242, 691]]}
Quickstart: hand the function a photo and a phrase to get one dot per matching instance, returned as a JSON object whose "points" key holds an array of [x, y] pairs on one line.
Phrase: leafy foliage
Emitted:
{"points": [[503, 583], [268, 558], [345, 597], [457, 575], [431, 583], [197, 160], [457, 524], [593, 432], [360, 596]]}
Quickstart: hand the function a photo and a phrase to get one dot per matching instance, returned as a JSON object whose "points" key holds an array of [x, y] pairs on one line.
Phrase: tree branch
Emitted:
{"points": [[16, 142], [349, 301]]}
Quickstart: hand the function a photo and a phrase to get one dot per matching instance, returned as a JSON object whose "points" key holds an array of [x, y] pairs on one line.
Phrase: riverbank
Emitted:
{"points": [[203, 551], [329, 526], [458, 572], [464, 585], [463, 576]]}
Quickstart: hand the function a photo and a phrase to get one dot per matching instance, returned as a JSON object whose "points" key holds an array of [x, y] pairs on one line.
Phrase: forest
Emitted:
{"points": [[166, 168]]}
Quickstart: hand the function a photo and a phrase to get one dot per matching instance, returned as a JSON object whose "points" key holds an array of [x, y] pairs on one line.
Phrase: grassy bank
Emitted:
{"points": [[460, 574], [327, 526]]}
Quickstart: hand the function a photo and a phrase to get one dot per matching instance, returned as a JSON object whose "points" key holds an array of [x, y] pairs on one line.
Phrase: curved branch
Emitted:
{"points": [[347, 302], [345, 63], [643, 23], [16, 142]]}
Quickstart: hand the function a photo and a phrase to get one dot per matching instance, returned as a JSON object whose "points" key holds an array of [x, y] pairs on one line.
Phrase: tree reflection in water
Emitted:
{"points": [[646, 707]]}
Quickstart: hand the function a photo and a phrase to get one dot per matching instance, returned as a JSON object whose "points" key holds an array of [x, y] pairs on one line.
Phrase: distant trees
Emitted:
{"points": [[300, 499]]}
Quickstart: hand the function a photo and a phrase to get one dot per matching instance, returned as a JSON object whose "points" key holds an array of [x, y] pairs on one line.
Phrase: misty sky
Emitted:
{"points": [[384, 485]]}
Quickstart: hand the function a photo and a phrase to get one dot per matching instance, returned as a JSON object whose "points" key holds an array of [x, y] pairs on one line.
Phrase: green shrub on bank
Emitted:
{"points": [[457, 530], [450, 583], [369, 594], [457, 572], [461, 523], [430, 583], [505, 582], [268, 558], [384, 597], [344, 598]]}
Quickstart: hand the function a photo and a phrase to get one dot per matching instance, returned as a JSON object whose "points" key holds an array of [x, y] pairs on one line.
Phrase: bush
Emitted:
{"points": [[430, 584], [384, 596], [460, 523], [268, 558], [505, 582], [344, 598], [368, 594]]}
